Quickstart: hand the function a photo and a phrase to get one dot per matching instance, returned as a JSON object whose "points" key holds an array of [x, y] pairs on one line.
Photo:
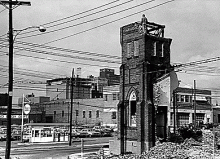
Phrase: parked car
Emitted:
{"points": [[16, 136], [89, 133], [26, 137], [3, 138], [75, 133], [106, 133]]}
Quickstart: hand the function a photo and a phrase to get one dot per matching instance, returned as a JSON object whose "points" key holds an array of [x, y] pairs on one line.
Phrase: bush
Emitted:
{"points": [[190, 132], [176, 138]]}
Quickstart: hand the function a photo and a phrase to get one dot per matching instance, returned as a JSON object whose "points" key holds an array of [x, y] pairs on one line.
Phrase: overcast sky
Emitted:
{"points": [[193, 26]]}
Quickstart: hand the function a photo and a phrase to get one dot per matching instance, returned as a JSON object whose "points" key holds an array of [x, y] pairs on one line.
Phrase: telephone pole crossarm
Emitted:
{"points": [[26, 3]]}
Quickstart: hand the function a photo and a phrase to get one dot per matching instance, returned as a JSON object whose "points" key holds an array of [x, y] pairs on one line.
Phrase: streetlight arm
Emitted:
{"points": [[40, 28]]}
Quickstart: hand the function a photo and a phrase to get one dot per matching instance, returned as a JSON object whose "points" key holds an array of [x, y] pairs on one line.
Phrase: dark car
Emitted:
{"points": [[3, 138], [106, 133]]}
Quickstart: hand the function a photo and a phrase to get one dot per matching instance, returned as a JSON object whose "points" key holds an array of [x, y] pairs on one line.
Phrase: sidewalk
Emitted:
{"points": [[42, 143], [55, 142]]}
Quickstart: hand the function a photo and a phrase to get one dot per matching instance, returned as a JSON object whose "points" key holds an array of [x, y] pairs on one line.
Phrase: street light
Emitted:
{"points": [[40, 28], [9, 5], [10, 81]]}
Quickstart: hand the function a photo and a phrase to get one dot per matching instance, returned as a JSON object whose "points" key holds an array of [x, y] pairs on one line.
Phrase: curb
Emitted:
{"points": [[41, 143]]}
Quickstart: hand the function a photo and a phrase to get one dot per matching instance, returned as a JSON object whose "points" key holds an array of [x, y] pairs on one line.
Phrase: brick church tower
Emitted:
{"points": [[145, 57]]}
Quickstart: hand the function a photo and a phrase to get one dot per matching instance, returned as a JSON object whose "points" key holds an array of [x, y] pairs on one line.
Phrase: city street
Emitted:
{"points": [[55, 150]]}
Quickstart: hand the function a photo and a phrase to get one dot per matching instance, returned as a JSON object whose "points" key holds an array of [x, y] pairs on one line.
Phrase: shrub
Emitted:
{"points": [[176, 138], [190, 132]]}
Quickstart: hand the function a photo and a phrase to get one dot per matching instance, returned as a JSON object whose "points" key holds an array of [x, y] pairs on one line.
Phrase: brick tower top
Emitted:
{"points": [[144, 41]]}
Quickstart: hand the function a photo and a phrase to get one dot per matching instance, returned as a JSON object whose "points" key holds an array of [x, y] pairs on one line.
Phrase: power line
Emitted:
{"points": [[109, 22], [81, 17], [66, 50], [65, 55], [89, 20], [2, 10], [27, 70], [78, 14]]}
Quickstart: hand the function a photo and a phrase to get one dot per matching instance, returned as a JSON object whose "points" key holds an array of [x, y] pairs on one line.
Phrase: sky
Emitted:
{"points": [[193, 26]]}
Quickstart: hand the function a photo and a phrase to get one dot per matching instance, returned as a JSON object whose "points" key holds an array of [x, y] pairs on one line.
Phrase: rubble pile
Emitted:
{"points": [[207, 137], [189, 149]]}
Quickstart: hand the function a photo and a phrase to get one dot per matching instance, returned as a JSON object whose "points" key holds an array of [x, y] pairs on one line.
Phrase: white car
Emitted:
{"points": [[89, 133]]}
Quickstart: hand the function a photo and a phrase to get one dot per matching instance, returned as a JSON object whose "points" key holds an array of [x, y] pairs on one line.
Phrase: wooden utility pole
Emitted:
{"points": [[174, 112], [122, 113], [10, 4], [71, 109], [194, 103]]}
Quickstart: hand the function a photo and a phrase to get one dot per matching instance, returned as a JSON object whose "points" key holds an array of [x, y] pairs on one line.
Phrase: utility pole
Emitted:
{"points": [[194, 103], [10, 3], [122, 113], [174, 112], [71, 108]]}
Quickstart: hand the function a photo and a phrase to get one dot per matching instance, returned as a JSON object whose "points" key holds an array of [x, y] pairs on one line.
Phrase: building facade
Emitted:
{"points": [[191, 101], [37, 111], [92, 111], [16, 114], [111, 98], [109, 74]]}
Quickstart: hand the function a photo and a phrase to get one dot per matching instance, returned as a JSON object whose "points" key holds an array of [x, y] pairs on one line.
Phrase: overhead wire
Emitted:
{"points": [[141, 11], [3, 10], [66, 55], [76, 14], [65, 50], [108, 22], [22, 37], [28, 70], [78, 19]]}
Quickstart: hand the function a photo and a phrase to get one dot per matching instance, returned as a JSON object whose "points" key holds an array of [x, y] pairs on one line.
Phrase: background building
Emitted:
{"points": [[186, 106], [15, 114], [109, 74], [111, 99], [37, 112]]}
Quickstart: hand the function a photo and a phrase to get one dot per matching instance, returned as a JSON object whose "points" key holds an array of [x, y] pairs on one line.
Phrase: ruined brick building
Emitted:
{"points": [[145, 57]]}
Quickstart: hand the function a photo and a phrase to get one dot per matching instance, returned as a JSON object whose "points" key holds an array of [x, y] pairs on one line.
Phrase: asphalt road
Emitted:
{"points": [[53, 150]]}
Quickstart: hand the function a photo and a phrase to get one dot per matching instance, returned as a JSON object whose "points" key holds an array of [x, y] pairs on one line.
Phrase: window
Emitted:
{"points": [[97, 113], [77, 112], [182, 98], [90, 114], [187, 98], [129, 50], [162, 50], [132, 113], [105, 97], [114, 96], [218, 118], [118, 96], [113, 115], [178, 98], [136, 48], [62, 113], [54, 114], [183, 119], [84, 113], [155, 49]]}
